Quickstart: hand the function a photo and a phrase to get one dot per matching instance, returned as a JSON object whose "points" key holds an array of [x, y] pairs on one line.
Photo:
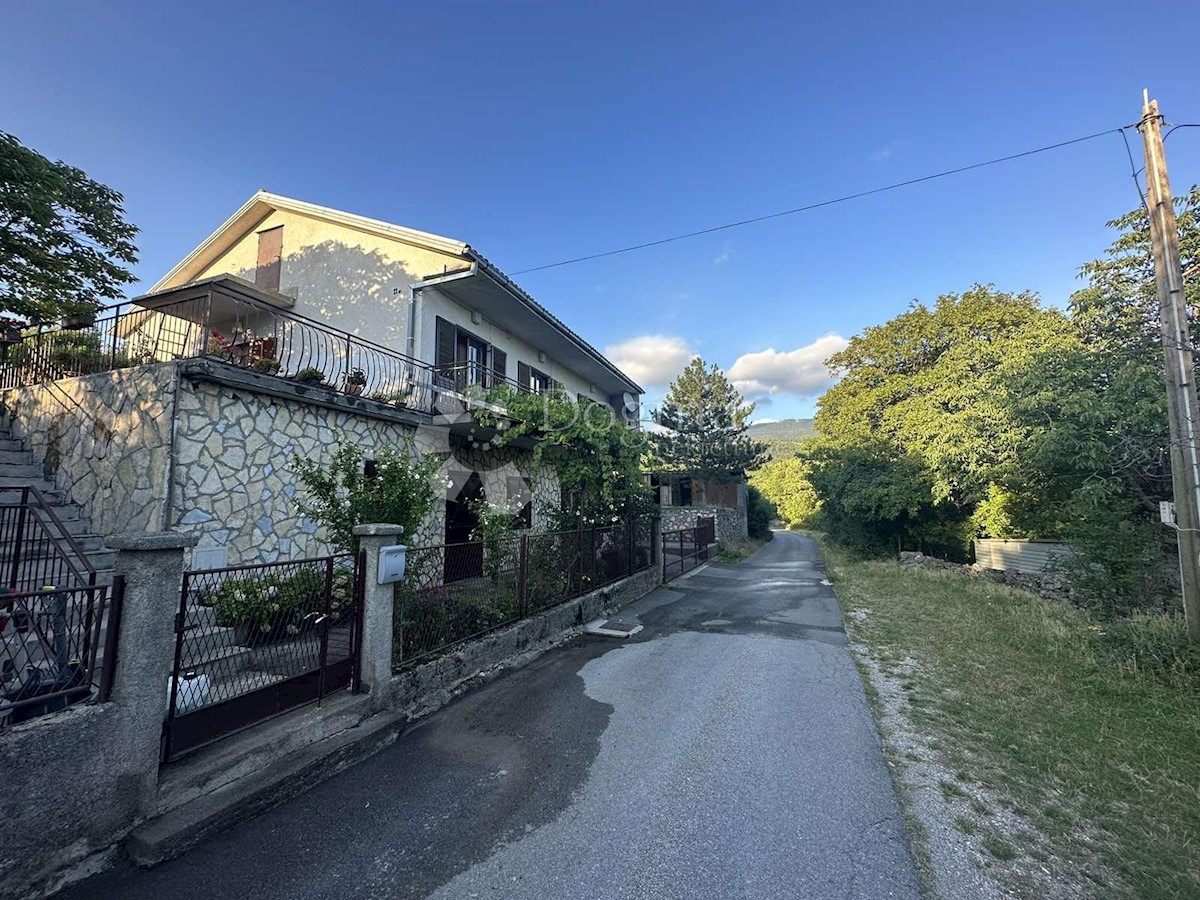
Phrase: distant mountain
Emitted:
{"points": [[783, 430], [783, 437]]}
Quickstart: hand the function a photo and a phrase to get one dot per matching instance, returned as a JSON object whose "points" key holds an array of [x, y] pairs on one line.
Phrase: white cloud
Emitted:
{"points": [[722, 255], [801, 372], [651, 359], [765, 421]]}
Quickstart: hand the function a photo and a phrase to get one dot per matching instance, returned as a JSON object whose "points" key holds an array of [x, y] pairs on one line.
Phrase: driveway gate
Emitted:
{"points": [[252, 642], [686, 548]]}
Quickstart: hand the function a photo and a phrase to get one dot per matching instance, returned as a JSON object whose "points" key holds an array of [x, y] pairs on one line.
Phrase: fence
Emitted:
{"points": [[685, 548], [227, 326], [1031, 557], [256, 641], [50, 614], [455, 592]]}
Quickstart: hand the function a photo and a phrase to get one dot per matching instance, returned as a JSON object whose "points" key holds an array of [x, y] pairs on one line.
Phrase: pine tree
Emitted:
{"points": [[704, 420]]}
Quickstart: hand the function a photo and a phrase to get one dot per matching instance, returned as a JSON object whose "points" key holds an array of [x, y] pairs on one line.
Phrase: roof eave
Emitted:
{"points": [[490, 270]]}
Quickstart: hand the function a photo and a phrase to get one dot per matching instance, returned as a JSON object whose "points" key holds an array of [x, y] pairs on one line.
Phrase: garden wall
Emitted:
{"points": [[731, 525], [104, 440], [428, 686]]}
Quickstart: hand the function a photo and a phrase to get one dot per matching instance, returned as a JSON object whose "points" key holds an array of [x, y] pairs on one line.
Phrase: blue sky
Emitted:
{"points": [[538, 132]]}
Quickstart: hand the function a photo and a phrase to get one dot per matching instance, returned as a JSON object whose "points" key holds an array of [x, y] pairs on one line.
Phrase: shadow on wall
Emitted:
{"points": [[349, 288]]}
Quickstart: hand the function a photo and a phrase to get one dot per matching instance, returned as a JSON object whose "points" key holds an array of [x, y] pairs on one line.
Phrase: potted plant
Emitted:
{"points": [[310, 375], [265, 366], [356, 380]]}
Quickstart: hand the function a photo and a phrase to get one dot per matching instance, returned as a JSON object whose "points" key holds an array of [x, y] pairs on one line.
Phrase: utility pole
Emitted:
{"points": [[1180, 361]]}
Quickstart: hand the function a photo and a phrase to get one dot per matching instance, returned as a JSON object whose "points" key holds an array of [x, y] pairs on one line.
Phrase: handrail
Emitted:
{"points": [[33, 512], [88, 569]]}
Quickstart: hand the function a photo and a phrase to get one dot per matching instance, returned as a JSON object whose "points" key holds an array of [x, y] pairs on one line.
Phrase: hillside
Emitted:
{"points": [[783, 430], [783, 437]]}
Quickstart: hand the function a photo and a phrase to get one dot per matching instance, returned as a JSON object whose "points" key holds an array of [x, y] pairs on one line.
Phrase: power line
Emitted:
{"points": [[811, 206]]}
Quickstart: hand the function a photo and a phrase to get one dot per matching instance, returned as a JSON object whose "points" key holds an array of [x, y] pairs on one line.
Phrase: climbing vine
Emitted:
{"points": [[596, 457]]}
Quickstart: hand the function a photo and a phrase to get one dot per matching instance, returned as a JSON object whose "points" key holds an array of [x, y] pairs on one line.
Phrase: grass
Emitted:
{"points": [[735, 553], [1039, 705]]}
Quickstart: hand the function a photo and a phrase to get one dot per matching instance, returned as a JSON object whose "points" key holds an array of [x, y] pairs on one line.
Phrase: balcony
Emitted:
{"points": [[225, 320]]}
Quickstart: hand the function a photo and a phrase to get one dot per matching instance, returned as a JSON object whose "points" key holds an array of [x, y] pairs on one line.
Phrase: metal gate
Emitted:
{"points": [[685, 548], [253, 642]]}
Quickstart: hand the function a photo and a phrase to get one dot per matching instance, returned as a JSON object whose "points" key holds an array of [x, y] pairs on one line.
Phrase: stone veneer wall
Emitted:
{"points": [[104, 440], [234, 483], [731, 526]]}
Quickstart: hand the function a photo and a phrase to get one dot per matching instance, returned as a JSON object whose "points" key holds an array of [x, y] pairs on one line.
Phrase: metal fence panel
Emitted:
{"points": [[1031, 557]]}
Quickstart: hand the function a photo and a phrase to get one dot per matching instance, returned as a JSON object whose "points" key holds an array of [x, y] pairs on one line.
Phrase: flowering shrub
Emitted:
{"points": [[265, 600], [340, 494]]}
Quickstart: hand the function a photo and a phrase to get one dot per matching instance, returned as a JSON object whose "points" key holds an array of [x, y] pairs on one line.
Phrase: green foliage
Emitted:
{"points": [[310, 375], [705, 421], [1152, 645], [596, 457], [759, 513], [340, 496], [63, 237], [872, 497], [495, 524], [785, 482], [278, 598]]}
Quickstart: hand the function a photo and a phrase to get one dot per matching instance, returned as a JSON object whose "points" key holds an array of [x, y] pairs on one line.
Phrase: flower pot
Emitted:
{"points": [[77, 321], [354, 389]]}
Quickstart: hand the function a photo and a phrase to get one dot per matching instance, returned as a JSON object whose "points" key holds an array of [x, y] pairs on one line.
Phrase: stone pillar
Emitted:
{"points": [[151, 565], [375, 666]]}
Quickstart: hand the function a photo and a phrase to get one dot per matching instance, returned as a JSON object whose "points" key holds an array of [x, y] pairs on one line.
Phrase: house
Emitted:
{"points": [[684, 500], [182, 408]]}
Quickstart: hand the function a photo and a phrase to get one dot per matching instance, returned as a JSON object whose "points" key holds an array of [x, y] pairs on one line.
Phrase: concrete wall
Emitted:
{"points": [[76, 781], [104, 439], [427, 686]]}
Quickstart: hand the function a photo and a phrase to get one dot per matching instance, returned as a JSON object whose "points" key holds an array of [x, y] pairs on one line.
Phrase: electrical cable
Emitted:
{"points": [[823, 203]]}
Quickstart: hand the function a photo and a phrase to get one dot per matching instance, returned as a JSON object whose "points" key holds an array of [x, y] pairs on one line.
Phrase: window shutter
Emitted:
{"points": [[444, 349], [523, 374], [270, 256], [499, 365]]}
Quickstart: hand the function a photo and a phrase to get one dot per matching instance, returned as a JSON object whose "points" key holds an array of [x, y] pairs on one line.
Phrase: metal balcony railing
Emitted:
{"points": [[228, 327]]}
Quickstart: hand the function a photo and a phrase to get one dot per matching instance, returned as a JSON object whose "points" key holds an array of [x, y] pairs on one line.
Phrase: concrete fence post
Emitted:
{"points": [[151, 565], [656, 548], [375, 665]]}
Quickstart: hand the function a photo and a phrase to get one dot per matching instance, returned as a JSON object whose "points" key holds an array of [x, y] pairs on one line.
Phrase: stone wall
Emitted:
{"points": [[104, 440], [234, 481], [730, 523]]}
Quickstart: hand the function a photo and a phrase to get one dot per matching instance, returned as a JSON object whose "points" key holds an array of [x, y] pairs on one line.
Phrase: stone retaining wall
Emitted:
{"points": [[731, 525], [106, 440]]}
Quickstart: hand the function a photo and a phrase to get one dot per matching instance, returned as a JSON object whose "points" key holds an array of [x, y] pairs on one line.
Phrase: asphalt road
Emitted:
{"points": [[725, 752]]}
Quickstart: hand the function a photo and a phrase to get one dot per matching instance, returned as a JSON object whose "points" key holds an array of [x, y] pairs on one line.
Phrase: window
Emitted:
{"points": [[464, 359], [532, 380], [270, 258]]}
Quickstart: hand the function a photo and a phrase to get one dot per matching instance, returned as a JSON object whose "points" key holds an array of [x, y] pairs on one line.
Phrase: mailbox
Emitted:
{"points": [[391, 564]]}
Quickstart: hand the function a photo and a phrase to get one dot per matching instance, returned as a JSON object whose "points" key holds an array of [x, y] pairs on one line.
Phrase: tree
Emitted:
{"points": [[703, 423], [1095, 462], [63, 237], [930, 389], [785, 482]]}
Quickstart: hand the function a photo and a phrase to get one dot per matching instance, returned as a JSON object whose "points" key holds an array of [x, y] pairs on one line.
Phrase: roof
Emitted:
{"points": [[263, 203]]}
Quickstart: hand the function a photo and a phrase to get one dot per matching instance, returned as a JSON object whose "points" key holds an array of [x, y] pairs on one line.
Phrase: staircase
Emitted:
{"points": [[17, 470]]}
